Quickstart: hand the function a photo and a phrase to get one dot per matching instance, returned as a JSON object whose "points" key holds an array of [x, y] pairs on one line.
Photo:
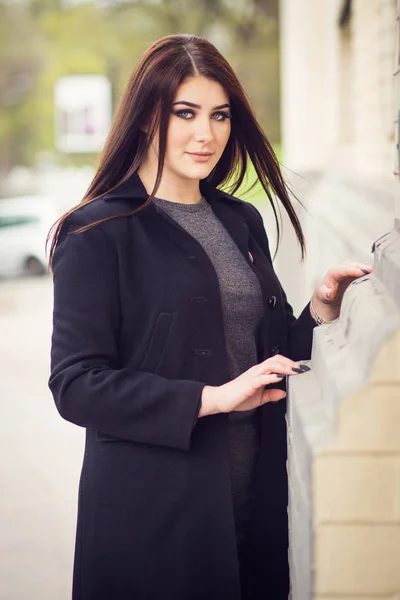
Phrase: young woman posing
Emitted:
{"points": [[172, 336]]}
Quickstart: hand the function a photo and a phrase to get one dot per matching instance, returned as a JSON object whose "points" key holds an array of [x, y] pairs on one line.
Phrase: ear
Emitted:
{"points": [[144, 128]]}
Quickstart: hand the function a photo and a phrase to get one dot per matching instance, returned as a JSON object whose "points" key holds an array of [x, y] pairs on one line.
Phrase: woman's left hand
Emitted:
{"points": [[327, 297]]}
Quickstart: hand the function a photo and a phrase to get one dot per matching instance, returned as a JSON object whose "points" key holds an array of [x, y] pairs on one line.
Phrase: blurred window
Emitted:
{"points": [[15, 220]]}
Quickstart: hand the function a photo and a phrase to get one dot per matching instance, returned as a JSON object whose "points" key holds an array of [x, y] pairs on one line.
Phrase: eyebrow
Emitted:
{"points": [[198, 105]]}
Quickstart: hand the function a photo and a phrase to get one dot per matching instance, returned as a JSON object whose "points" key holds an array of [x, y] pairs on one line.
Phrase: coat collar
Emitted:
{"points": [[133, 189], [225, 207]]}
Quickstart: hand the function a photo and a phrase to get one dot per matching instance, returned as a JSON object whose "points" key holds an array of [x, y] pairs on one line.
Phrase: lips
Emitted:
{"points": [[200, 153], [200, 157]]}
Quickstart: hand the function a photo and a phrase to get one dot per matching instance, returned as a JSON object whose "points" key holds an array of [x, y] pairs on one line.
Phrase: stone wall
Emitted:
{"points": [[337, 86], [340, 101], [338, 109], [344, 446]]}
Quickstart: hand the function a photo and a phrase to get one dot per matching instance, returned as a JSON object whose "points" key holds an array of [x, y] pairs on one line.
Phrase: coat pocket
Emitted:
{"points": [[157, 343]]}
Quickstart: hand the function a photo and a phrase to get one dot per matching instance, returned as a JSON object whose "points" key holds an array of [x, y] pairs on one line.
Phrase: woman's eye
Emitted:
{"points": [[185, 114], [189, 114], [221, 116]]}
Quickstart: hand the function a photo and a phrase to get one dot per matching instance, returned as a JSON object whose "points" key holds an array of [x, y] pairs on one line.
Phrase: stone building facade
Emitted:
{"points": [[344, 415], [338, 107]]}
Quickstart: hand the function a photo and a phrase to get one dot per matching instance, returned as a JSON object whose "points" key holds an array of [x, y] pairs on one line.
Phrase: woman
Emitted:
{"points": [[172, 336]]}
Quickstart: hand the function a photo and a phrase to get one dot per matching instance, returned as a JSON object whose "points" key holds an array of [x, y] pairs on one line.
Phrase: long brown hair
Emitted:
{"points": [[147, 100]]}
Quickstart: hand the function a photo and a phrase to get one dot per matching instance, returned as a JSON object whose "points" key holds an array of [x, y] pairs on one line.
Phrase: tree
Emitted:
{"points": [[21, 64], [108, 37]]}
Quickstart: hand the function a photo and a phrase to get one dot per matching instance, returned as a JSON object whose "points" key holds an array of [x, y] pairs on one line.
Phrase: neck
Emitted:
{"points": [[172, 188]]}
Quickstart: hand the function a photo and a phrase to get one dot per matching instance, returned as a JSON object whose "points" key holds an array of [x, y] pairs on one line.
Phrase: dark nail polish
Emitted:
{"points": [[296, 370], [280, 374], [364, 271], [304, 367]]}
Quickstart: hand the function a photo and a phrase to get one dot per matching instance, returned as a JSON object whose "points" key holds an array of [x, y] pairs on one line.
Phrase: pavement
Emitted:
{"points": [[41, 453]]}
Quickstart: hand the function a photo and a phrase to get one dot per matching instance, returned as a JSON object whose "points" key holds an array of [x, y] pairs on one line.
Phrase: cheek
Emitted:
{"points": [[178, 136], [222, 136]]}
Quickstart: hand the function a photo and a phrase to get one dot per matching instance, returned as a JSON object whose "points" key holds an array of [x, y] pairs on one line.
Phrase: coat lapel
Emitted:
{"points": [[235, 225], [221, 203]]}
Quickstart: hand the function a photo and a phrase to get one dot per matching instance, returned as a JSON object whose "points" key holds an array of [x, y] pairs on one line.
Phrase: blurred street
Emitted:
{"points": [[41, 453]]}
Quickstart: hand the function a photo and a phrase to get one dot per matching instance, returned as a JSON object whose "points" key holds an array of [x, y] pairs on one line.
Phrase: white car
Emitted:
{"points": [[24, 224]]}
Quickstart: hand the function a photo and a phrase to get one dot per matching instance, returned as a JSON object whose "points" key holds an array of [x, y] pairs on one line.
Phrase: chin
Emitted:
{"points": [[201, 172]]}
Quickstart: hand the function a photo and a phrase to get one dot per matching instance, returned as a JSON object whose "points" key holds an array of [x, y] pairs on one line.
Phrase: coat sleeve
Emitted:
{"points": [[300, 330], [88, 386]]}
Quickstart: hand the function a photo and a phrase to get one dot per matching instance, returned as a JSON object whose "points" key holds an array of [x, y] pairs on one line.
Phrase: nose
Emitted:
{"points": [[203, 132]]}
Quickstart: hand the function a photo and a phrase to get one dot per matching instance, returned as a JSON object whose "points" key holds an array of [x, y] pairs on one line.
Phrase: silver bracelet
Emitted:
{"points": [[316, 316]]}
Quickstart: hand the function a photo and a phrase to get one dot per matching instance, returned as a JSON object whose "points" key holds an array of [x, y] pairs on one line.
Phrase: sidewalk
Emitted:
{"points": [[41, 453]]}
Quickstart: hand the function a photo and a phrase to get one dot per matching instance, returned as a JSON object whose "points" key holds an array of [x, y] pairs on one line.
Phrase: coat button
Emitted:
{"points": [[251, 257], [276, 350], [272, 301], [202, 351]]}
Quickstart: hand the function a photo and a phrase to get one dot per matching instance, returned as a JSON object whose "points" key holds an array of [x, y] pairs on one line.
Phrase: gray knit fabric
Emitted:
{"points": [[242, 310]]}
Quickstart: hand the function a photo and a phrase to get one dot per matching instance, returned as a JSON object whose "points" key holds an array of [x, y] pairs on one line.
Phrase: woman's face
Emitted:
{"points": [[198, 130]]}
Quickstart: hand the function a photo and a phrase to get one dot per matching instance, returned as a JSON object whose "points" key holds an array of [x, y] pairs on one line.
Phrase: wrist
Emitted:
{"points": [[209, 401], [323, 312]]}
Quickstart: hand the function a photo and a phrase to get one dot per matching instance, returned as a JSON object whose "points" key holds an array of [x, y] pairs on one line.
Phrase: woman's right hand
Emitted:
{"points": [[247, 391]]}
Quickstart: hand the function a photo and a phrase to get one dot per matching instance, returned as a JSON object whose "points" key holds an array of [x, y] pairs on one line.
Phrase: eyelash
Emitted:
{"points": [[180, 113]]}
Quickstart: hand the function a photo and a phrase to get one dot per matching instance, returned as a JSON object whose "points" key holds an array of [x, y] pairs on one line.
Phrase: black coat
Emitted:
{"points": [[138, 332]]}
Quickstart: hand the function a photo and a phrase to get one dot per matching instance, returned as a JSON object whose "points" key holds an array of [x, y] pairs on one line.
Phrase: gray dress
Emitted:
{"points": [[242, 311]]}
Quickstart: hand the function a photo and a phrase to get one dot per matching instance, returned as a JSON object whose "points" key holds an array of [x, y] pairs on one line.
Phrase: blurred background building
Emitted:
{"points": [[338, 62], [338, 111]]}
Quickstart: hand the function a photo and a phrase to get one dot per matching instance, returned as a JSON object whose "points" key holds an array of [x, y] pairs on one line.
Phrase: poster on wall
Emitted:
{"points": [[82, 113]]}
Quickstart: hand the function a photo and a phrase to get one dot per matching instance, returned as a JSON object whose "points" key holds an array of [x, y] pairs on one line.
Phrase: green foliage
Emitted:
{"points": [[251, 189], [20, 66], [57, 37]]}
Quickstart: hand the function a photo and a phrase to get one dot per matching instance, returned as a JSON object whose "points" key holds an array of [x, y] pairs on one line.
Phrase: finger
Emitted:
{"points": [[272, 396], [267, 379], [329, 288], [365, 268], [280, 366], [358, 264], [346, 270], [272, 361]]}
